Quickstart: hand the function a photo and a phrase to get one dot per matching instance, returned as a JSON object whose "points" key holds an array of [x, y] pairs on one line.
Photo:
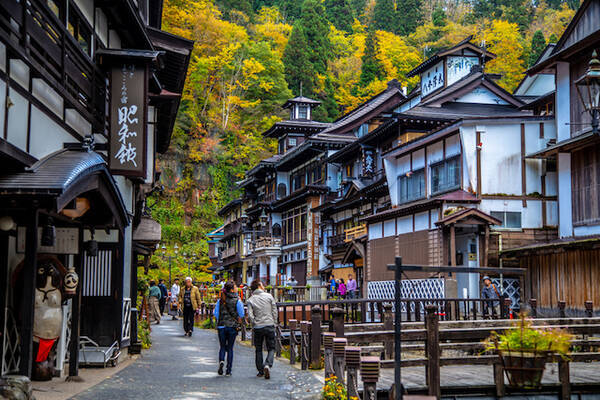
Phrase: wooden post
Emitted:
{"points": [[486, 246], [388, 325], [278, 344], [293, 327], [589, 309], [352, 366], [499, 379], [28, 276], [433, 351], [506, 303], [328, 353], [338, 321], [369, 371], [561, 308], [339, 358], [75, 315], [533, 305], [452, 246], [315, 337], [565, 379], [304, 346]]}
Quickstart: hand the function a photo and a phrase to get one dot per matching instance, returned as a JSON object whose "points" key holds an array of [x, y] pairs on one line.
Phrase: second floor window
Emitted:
{"points": [[445, 175], [411, 186], [302, 112], [510, 219], [294, 225]]}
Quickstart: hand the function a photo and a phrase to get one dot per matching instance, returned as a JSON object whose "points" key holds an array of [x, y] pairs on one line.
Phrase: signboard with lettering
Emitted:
{"points": [[67, 241], [127, 154], [459, 67], [312, 261], [368, 162], [432, 79]]}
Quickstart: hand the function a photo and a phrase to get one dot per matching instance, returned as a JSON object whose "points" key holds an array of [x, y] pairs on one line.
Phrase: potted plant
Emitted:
{"points": [[524, 349]]}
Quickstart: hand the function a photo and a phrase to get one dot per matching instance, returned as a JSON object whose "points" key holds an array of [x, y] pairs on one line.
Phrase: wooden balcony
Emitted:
{"points": [[337, 240], [230, 252], [354, 233], [266, 242], [43, 42]]}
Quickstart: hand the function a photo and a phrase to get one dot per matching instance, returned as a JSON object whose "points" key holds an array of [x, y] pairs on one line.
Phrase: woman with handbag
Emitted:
{"points": [[228, 313]]}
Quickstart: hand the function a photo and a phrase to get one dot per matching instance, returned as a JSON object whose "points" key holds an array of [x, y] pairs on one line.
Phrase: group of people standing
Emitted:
{"points": [[342, 289]]}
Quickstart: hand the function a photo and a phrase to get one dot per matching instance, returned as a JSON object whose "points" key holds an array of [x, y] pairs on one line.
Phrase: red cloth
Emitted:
{"points": [[44, 349]]}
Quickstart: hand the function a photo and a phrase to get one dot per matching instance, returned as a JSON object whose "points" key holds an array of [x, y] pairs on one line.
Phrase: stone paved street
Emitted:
{"points": [[177, 367]]}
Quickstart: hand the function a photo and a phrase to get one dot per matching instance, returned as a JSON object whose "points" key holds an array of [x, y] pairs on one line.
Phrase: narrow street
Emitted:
{"points": [[177, 367]]}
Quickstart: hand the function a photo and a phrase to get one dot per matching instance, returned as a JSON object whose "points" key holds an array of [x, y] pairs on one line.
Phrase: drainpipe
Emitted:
{"points": [[500, 263]]}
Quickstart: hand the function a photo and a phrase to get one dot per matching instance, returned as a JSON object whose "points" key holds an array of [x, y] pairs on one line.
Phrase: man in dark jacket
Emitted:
{"points": [[228, 312], [164, 293]]}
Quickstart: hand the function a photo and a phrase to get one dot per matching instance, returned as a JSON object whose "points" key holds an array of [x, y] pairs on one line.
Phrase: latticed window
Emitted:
{"points": [[445, 175]]}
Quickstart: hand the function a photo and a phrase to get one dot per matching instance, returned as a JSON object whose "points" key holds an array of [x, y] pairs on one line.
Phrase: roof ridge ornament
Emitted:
{"points": [[88, 143]]}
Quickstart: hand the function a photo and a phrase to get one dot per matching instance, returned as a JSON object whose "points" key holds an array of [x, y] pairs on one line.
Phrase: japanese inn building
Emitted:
{"points": [[90, 90], [457, 172]]}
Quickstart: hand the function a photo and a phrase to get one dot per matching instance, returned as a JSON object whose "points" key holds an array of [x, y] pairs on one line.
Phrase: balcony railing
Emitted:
{"points": [[355, 232], [46, 45], [266, 242], [337, 240], [230, 252], [232, 227]]}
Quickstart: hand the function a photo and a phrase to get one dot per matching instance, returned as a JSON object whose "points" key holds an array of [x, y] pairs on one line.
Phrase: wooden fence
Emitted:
{"points": [[347, 349]]}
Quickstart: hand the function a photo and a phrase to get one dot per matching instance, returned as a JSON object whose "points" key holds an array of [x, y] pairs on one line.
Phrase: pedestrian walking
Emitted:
{"points": [[351, 287], [162, 302], [332, 287], [228, 313], [189, 299], [262, 312], [154, 296], [174, 300], [489, 291], [342, 288]]}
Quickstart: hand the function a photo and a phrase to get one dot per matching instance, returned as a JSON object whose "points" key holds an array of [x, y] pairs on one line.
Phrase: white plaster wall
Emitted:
{"points": [[403, 165], [531, 216], [101, 26], [332, 177], [48, 96], [418, 160], [537, 85], [17, 120], [2, 57], [375, 231], [391, 174], [453, 145], [389, 228], [469, 171], [283, 177], [533, 168], [501, 159], [87, 8], [565, 216], [46, 135], [563, 101], [19, 71], [435, 152], [405, 224], [586, 230], [422, 221], [481, 95]]}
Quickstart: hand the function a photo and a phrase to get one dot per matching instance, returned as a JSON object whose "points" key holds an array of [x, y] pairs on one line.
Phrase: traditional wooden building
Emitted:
{"points": [[456, 174], [90, 90], [569, 268], [232, 241]]}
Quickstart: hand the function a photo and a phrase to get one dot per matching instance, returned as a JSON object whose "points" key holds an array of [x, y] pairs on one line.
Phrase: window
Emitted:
{"points": [[294, 225], [302, 112], [291, 256], [81, 32], [445, 175], [292, 142], [510, 219], [349, 170], [411, 186]]}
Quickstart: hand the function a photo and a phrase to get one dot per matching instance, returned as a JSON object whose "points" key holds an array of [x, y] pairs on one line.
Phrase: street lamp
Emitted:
{"points": [[588, 88], [164, 249]]}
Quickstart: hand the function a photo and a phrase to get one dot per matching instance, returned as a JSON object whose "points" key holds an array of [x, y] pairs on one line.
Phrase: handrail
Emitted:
{"points": [[355, 232]]}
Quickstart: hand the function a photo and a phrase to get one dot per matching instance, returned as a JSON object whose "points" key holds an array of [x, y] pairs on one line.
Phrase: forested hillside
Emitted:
{"points": [[250, 56]]}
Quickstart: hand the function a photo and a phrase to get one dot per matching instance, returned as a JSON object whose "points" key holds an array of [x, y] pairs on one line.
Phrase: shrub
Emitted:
{"points": [[208, 323], [525, 338], [144, 334], [333, 390]]}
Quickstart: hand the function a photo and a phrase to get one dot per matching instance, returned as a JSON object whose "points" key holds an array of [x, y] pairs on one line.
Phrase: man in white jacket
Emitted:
{"points": [[174, 296], [263, 314]]}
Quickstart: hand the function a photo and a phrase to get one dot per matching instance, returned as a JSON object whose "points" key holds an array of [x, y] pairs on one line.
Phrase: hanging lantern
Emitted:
{"points": [[588, 88]]}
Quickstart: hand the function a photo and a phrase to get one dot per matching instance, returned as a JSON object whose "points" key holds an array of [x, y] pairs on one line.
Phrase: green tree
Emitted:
{"points": [[340, 14], [384, 16], [296, 59], [358, 6], [316, 30], [409, 16], [290, 9], [553, 39], [372, 69], [438, 16], [538, 44]]}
